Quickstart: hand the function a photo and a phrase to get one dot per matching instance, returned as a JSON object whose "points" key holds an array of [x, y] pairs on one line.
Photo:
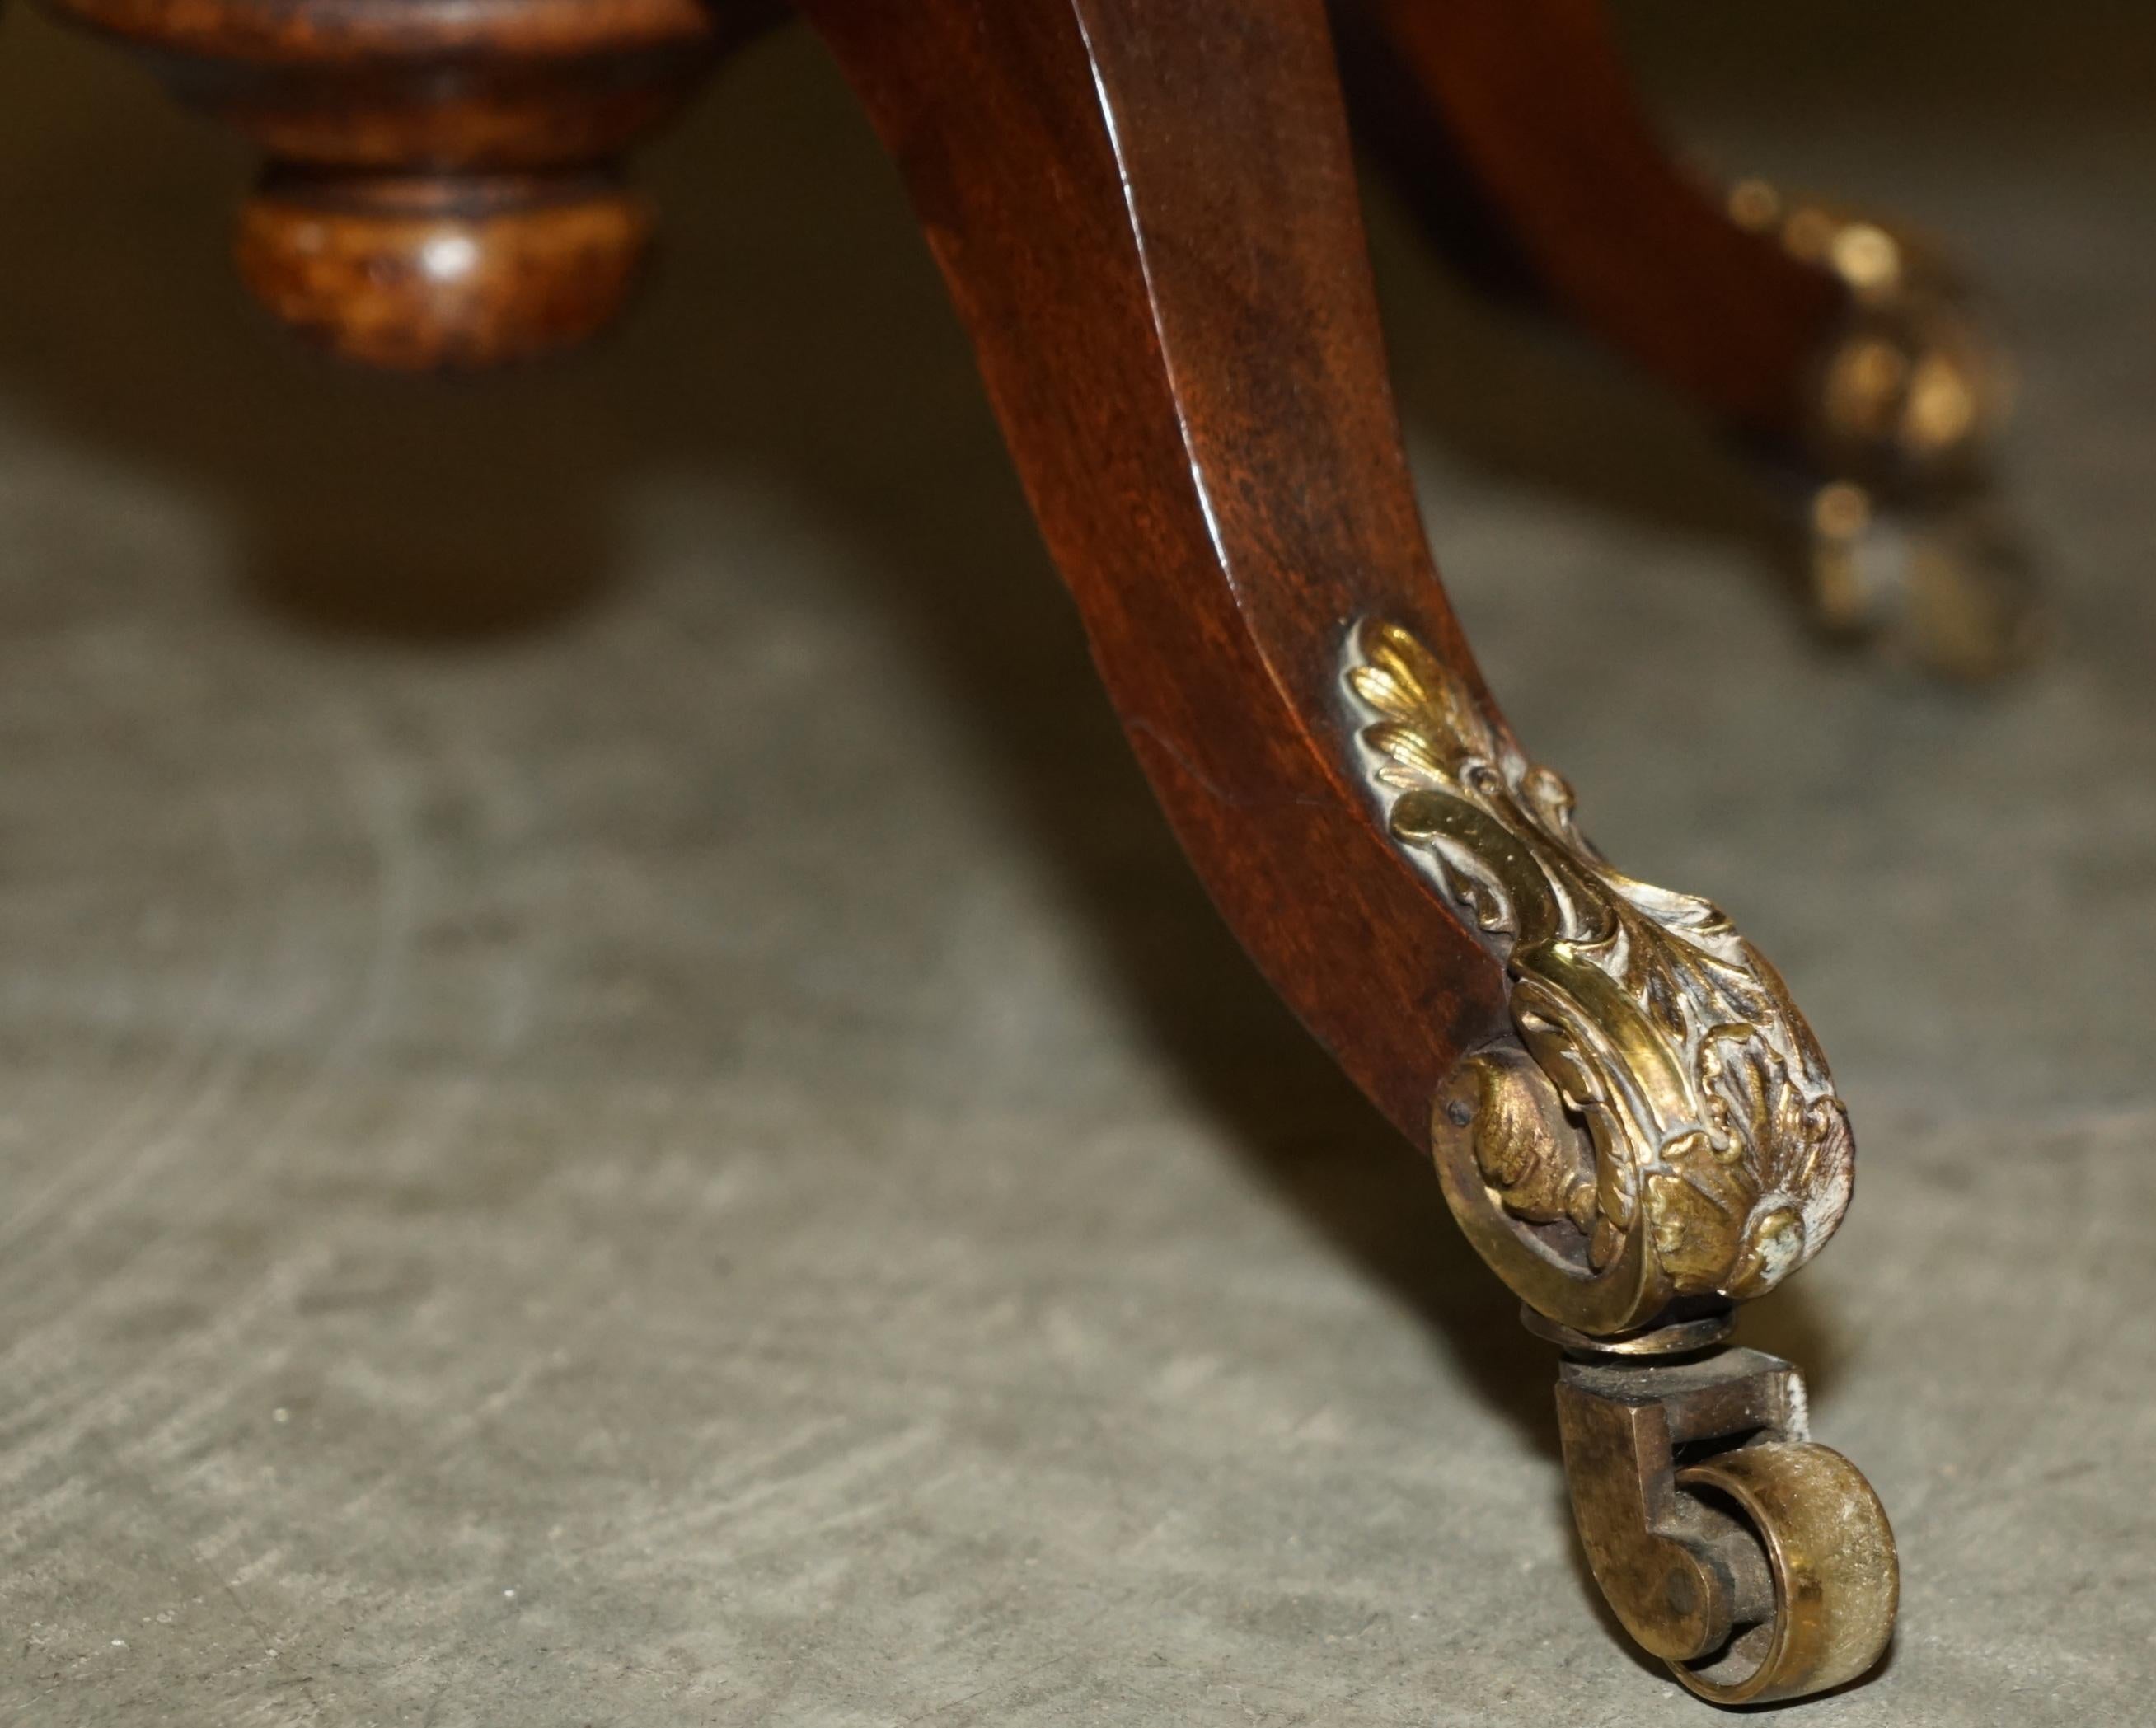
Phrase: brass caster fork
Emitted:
{"points": [[1758, 1564]]}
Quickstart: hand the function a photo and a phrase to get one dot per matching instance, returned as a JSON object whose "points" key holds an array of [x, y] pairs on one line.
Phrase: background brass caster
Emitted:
{"points": [[1905, 540], [1758, 1564], [1949, 585]]}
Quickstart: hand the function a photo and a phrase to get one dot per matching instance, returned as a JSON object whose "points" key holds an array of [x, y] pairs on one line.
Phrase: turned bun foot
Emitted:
{"points": [[447, 273], [443, 187]]}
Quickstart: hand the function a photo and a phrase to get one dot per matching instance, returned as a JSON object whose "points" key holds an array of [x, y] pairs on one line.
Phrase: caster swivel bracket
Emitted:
{"points": [[1758, 1564]]}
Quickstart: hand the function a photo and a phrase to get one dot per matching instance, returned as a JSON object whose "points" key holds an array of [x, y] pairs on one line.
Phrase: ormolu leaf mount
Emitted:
{"points": [[1655, 1140]]}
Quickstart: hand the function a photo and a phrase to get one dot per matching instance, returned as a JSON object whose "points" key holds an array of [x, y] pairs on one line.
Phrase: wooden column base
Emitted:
{"points": [[445, 272], [444, 188]]}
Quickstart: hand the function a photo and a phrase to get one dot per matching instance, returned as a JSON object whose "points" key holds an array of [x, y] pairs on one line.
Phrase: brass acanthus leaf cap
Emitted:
{"points": [[1666, 1127]]}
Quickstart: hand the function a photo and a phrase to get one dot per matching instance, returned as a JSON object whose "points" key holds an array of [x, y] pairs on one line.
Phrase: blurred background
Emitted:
{"points": [[617, 1107]]}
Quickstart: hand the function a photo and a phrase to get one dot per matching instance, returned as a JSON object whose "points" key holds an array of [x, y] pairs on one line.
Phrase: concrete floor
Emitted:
{"points": [[617, 1111]]}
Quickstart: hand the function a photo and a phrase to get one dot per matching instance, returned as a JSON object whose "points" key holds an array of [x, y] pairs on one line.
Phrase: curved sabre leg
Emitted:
{"points": [[1145, 214], [1845, 350]]}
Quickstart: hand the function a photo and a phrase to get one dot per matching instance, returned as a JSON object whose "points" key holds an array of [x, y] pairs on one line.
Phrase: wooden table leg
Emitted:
{"points": [[1843, 349], [1145, 212]]}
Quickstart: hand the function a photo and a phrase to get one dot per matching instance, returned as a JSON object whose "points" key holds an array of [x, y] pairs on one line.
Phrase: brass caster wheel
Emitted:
{"points": [[1763, 1568], [1830, 1556], [1949, 587]]}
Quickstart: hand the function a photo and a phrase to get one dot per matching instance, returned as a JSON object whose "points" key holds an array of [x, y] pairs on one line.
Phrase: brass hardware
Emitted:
{"points": [[1952, 585], [1674, 1337], [1907, 401], [1663, 1127], [1756, 1564], [1657, 1140], [1914, 387]]}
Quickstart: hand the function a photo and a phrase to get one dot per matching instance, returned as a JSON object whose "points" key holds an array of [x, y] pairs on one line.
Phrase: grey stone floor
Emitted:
{"points": [[614, 1109]]}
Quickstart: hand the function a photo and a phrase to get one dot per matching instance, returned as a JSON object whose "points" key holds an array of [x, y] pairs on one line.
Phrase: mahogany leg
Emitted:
{"points": [[1846, 352], [1145, 212]]}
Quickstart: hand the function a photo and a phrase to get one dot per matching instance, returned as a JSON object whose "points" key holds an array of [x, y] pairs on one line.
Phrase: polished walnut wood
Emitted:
{"points": [[1153, 235]]}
